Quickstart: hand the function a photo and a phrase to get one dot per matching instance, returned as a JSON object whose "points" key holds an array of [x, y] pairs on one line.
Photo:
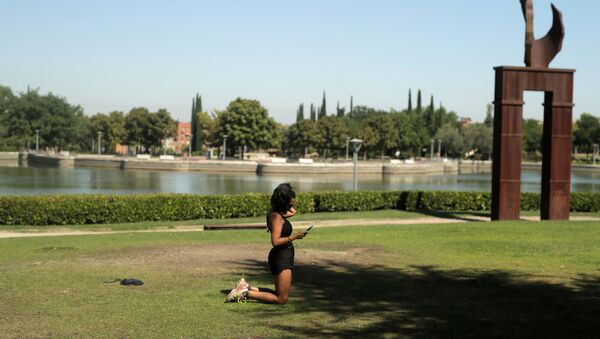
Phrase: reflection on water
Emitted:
{"points": [[36, 180]]}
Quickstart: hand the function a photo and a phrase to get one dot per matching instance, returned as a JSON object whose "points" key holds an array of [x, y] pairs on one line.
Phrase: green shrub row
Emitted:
{"points": [[102, 209]]}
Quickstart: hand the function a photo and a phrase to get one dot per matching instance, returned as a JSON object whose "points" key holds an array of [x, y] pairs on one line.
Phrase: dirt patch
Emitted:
{"points": [[218, 260]]}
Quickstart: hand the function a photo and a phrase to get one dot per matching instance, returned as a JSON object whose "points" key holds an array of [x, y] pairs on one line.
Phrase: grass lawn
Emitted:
{"points": [[503, 279]]}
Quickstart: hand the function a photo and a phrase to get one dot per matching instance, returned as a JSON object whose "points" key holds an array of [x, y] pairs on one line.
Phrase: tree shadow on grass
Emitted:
{"points": [[425, 302]]}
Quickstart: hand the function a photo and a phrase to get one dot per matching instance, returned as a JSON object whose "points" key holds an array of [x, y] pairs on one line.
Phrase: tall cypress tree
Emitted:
{"points": [[419, 105], [196, 129], [193, 121], [409, 100], [300, 113], [351, 104], [323, 110], [313, 114], [340, 111], [440, 115], [433, 124]]}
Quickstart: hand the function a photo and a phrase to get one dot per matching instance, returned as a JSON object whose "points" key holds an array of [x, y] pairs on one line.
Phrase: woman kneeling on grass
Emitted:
{"points": [[281, 256]]}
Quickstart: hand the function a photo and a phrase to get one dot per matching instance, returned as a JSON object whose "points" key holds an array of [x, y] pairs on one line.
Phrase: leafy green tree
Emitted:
{"points": [[164, 126], [587, 132], [333, 133], [479, 140], [210, 129], [440, 117], [361, 113], [419, 103], [409, 100], [351, 103], [369, 139], [313, 115], [146, 131], [421, 131], [137, 125], [408, 141], [489, 118], [453, 141], [247, 123], [385, 131], [532, 136], [6, 100], [60, 124], [112, 127], [301, 136]]}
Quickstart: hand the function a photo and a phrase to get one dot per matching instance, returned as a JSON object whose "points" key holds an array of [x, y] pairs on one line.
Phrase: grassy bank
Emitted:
{"points": [[468, 280]]}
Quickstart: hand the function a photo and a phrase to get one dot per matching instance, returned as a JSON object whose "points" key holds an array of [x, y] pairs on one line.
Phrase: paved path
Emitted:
{"points": [[54, 232]]}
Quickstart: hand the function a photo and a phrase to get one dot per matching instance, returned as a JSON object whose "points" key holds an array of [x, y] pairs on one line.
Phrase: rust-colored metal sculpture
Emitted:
{"points": [[557, 84], [539, 53]]}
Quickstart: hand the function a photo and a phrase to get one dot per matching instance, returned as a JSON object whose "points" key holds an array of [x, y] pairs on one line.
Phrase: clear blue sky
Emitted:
{"points": [[115, 55]]}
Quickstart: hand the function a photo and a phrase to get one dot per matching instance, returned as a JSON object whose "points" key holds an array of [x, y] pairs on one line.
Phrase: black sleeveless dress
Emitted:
{"points": [[282, 257]]}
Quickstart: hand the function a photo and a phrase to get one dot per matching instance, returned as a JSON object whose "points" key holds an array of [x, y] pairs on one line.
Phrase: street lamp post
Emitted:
{"points": [[224, 145], [595, 152], [99, 143], [347, 144], [440, 148], [356, 144], [431, 149], [37, 141]]}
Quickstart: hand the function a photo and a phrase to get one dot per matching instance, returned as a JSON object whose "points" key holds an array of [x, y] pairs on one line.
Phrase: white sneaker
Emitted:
{"points": [[243, 283], [237, 294]]}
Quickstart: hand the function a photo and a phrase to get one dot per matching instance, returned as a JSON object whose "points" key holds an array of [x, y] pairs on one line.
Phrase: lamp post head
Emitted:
{"points": [[356, 144], [224, 136]]}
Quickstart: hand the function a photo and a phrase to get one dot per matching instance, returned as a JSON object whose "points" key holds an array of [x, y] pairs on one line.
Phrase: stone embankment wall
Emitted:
{"points": [[10, 159], [262, 166]]}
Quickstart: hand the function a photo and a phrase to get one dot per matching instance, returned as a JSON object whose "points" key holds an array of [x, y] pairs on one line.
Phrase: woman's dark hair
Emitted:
{"points": [[281, 197]]}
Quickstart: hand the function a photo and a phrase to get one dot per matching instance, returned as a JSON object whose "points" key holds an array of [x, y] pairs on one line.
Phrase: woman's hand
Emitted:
{"points": [[298, 235], [290, 213]]}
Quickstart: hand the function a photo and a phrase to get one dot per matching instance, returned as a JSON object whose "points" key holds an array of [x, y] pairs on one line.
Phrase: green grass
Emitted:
{"points": [[456, 280]]}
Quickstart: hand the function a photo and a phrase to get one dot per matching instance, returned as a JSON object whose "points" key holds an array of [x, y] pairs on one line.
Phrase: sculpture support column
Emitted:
{"points": [[557, 84]]}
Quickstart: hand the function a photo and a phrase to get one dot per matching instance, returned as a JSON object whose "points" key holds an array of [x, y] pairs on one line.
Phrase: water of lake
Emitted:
{"points": [[36, 180]]}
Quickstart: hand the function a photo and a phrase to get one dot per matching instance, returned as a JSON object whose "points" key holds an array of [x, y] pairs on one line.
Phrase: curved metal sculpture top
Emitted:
{"points": [[540, 52]]}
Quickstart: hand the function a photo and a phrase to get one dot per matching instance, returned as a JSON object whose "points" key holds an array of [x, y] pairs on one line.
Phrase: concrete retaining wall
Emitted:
{"points": [[10, 159], [319, 168], [262, 167], [472, 166], [60, 161], [417, 168]]}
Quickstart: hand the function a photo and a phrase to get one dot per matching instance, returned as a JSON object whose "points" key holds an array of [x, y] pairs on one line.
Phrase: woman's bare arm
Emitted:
{"points": [[290, 213], [276, 223]]}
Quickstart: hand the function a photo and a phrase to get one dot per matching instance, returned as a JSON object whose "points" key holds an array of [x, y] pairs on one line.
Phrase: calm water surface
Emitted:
{"points": [[36, 180]]}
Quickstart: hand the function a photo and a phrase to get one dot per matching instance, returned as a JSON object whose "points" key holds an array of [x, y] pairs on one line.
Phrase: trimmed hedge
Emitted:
{"points": [[103, 209]]}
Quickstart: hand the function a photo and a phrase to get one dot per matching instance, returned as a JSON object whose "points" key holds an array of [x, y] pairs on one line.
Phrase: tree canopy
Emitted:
{"points": [[247, 123]]}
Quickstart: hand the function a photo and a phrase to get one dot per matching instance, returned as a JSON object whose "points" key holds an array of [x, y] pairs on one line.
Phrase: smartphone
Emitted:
{"points": [[308, 229]]}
